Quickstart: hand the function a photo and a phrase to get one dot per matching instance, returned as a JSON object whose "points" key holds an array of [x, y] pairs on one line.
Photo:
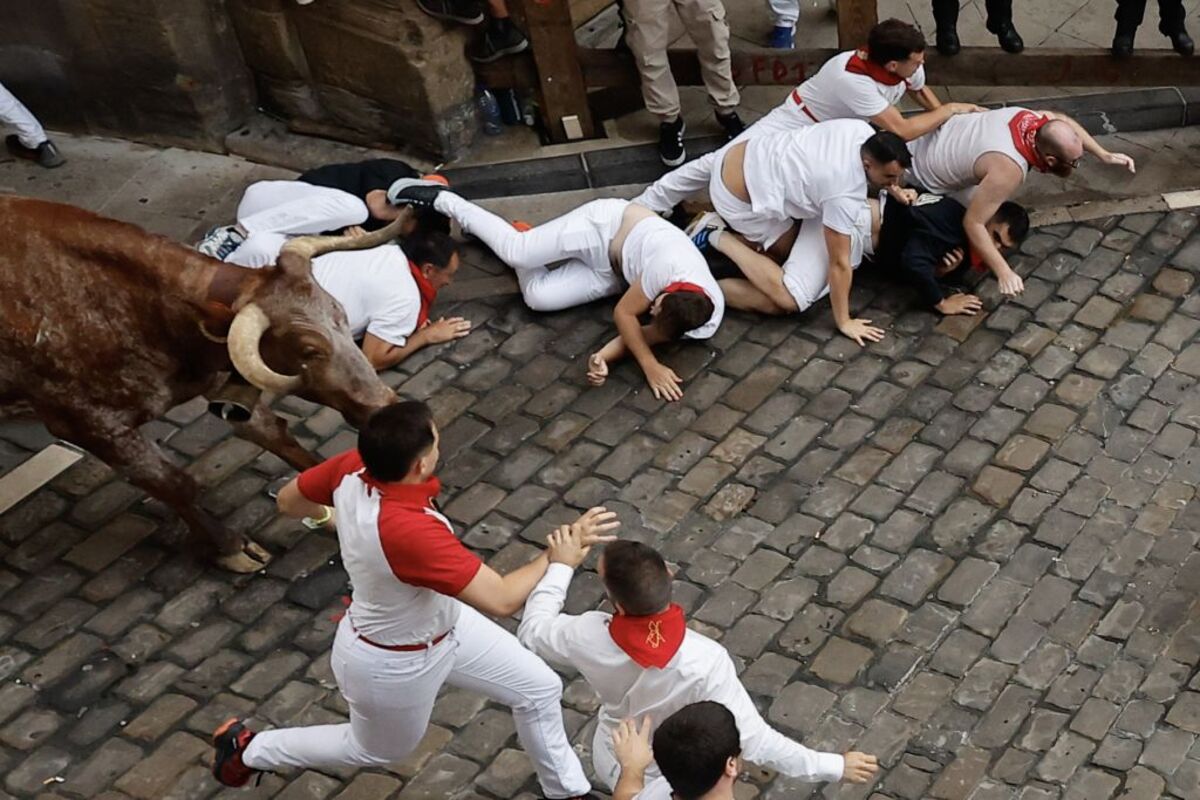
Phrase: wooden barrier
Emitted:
{"points": [[567, 72]]}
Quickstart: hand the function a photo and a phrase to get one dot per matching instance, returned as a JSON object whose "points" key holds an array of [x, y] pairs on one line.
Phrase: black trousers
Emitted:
{"points": [[999, 12], [1130, 13]]}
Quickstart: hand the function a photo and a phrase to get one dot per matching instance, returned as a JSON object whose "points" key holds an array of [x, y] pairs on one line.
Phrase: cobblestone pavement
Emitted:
{"points": [[970, 548]]}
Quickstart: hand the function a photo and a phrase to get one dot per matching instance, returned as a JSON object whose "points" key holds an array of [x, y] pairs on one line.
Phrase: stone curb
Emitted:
{"points": [[1101, 113]]}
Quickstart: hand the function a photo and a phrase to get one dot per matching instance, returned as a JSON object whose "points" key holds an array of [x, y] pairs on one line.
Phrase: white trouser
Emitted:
{"points": [[578, 240], [694, 176], [14, 114], [759, 228], [806, 270], [391, 697], [786, 12], [258, 250]]}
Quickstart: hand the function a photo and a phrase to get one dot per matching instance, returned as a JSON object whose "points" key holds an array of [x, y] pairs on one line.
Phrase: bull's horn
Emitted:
{"points": [[245, 333], [313, 246]]}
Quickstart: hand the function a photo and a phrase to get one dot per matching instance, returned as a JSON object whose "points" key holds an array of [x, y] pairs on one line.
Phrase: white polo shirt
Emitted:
{"points": [[811, 173], [658, 254]]}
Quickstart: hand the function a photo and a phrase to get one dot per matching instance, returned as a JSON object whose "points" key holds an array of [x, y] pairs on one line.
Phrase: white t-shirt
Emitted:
{"points": [[810, 173], [835, 93], [657, 789], [376, 288], [658, 254]]}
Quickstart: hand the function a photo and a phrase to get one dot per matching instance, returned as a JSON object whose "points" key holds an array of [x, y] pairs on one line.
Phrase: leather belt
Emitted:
{"points": [[798, 100]]}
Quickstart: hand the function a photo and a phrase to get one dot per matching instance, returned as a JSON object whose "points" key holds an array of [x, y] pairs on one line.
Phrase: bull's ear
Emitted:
{"points": [[295, 264]]}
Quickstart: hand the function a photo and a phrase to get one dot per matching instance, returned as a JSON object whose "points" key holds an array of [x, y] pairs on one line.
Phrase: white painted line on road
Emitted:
{"points": [[1177, 200], [35, 473]]}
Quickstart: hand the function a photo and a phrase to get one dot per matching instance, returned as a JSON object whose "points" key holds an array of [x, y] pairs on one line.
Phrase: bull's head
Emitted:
{"points": [[293, 337]]}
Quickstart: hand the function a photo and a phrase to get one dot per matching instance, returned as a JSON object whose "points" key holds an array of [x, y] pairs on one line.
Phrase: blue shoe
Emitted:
{"points": [[782, 37], [701, 229]]}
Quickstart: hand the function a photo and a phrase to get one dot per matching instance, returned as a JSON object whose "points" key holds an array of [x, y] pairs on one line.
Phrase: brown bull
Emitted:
{"points": [[104, 327]]}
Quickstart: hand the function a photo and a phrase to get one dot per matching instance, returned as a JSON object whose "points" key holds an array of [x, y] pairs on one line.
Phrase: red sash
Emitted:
{"points": [[427, 292], [650, 641], [1024, 127], [864, 66], [684, 286]]}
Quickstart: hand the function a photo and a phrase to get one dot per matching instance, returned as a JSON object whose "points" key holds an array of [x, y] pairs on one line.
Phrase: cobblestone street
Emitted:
{"points": [[970, 548]]}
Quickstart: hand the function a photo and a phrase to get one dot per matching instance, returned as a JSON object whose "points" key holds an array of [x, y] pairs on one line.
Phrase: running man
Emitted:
{"points": [[416, 618]]}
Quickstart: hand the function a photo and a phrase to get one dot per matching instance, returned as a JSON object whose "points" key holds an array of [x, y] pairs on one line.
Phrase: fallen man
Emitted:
{"points": [[600, 249], [822, 174], [983, 159], [387, 292]]}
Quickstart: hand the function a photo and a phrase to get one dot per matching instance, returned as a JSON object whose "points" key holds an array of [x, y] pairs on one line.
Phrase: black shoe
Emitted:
{"points": [[1122, 46], [468, 12], [1010, 41], [947, 42], [670, 143], [501, 38], [732, 124], [45, 154], [1182, 43], [415, 192]]}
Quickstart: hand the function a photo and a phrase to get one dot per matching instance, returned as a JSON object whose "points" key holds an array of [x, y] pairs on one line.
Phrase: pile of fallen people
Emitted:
{"points": [[833, 177]]}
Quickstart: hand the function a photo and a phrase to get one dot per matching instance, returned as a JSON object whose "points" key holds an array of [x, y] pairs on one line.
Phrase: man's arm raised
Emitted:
{"points": [[841, 276]]}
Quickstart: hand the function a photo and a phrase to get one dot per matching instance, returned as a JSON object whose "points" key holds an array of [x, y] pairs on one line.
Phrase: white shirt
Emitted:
{"points": [[658, 254], [811, 173], [657, 789], [835, 93], [700, 670], [944, 160], [376, 288]]}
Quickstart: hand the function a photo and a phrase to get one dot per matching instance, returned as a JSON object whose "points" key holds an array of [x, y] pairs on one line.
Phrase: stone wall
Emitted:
{"points": [[164, 71], [374, 72], [184, 72]]}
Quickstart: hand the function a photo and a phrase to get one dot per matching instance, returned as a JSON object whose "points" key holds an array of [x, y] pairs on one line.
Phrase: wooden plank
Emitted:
{"points": [[34, 473], [974, 66], [855, 19], [561, 88]]}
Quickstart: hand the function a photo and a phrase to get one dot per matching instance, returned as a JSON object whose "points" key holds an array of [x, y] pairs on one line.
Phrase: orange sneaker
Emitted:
{"points": [[521, 225], [433, 176]]}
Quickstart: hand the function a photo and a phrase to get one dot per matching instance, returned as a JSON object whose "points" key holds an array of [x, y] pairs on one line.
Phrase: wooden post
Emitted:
{"points": [[855, 19], [561, 90]]}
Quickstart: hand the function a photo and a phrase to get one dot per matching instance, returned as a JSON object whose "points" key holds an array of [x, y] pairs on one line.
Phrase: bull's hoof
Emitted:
{"points": [[251, 558]]}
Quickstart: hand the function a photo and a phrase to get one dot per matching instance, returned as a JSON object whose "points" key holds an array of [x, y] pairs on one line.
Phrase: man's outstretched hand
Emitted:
{"points": [[860, 767], [861, 331], [664, 382], [570, 544], [597, 370]]}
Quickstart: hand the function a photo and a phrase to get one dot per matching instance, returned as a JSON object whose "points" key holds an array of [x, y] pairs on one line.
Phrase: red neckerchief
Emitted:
{"points": [[976, 260], [650, 641], [865, 66], [684, 286], [427, 292], [1024, 127]]}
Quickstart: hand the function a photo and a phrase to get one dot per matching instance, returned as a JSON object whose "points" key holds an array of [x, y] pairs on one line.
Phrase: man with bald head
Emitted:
{"points": [[982, 159]]}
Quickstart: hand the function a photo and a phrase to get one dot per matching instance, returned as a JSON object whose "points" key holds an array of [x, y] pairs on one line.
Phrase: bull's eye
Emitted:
{"points": [[311, 352]]}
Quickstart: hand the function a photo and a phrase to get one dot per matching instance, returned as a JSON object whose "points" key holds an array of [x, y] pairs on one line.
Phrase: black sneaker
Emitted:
{"points": [[500, 38], [670, 143], [468, 12], [45, 154], [415, 192], [230, 741], [732, 124]]}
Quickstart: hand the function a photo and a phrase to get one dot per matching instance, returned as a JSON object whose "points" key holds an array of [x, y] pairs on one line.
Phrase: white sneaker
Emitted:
{"points": [[702, 227]]}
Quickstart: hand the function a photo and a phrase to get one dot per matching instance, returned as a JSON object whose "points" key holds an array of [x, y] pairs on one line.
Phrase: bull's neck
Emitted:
{"points": [[215, 289]]}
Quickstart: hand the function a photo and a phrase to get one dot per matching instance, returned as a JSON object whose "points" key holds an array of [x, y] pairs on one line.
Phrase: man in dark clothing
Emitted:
{"points": [[369, 180], [1170, 24], [999, 22], [924, 245]]}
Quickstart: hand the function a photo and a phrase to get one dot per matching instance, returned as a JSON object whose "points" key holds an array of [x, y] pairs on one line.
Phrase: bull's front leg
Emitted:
{"points": [[122, 447], [270, 432]]}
